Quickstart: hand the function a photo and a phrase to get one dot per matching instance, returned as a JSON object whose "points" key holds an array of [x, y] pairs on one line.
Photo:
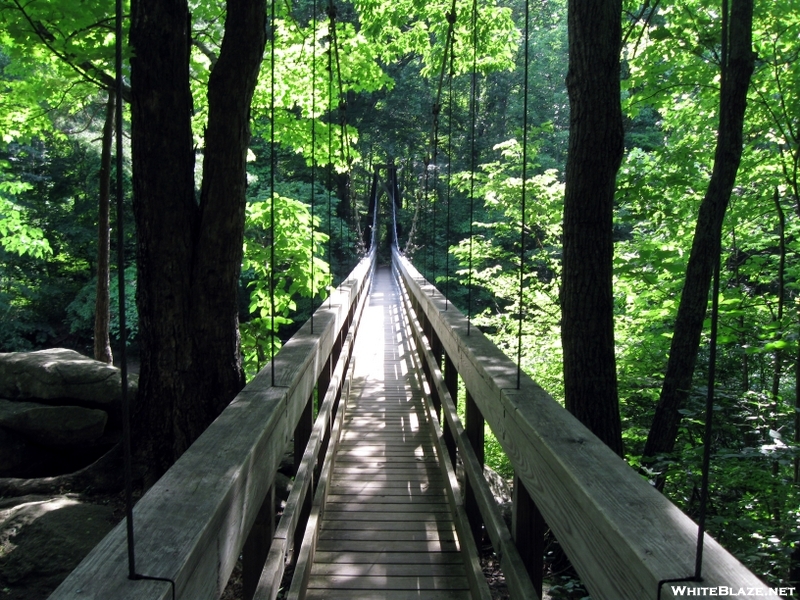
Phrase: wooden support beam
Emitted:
{"points": [[474, 428], [528, 528], [256, 546], [451, 382]]}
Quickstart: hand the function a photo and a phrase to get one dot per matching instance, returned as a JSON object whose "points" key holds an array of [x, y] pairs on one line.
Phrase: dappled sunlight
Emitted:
{"points": [[387, 523]]}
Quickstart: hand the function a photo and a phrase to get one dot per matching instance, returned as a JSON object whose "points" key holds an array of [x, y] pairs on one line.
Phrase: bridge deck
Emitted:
{"points": [[387, 530]]}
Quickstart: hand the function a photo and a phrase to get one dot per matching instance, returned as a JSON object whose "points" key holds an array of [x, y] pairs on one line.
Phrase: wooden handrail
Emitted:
{"points": [[191, 525], [517, 579], [622, 535]]}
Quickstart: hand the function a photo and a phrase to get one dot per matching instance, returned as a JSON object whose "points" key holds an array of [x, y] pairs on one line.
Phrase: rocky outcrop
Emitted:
{"points": [[58, 410], [53, 425], [62, 377]]}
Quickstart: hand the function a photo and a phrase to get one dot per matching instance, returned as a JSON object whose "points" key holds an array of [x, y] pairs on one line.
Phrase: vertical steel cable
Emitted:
{"points": [[313, 147], [473, 111], [123, 333], [712, 358], [272, 163], [524, 188], [332, 40], [449, 174], [123, 326], [712, 366]]}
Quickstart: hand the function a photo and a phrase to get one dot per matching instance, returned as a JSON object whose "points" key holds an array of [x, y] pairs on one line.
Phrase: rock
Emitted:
{"points": [[53, 425], [13, 450], [283, 487], [501, 492], [43, 539], [61, 376]]}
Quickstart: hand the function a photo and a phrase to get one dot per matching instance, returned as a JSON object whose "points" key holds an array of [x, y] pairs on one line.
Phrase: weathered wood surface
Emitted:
{"points": [[517, 578], [620, 533], [387, 530], [191, 525]]}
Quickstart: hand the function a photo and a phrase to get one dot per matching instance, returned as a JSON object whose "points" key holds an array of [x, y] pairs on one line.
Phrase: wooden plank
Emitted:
{"points": [[387, 505], [620, 533], [391, 570], [396, 558], [387, 546], [329, 534], [388, 595], [396, 516], [386, 582]]}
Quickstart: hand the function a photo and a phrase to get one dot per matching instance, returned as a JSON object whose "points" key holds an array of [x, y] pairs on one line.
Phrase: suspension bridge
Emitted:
{"points": [[364, 395]]}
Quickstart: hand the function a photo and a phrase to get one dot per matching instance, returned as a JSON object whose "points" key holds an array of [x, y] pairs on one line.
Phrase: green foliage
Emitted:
{"points": [[17, 235], [80, 312], [298, 273], [495, 257]]}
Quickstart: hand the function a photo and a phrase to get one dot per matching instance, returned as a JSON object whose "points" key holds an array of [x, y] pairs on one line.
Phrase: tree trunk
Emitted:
{"points": [[708, 233], [102, 312], [189, 253], [595, 153]]}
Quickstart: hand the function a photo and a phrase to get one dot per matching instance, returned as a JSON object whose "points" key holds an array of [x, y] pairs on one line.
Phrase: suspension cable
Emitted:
{"points": [[449, 187], [524, 188], [473, 110], [332, 36], [272, 163], [313, 149], [712, 368], [123, 326]]}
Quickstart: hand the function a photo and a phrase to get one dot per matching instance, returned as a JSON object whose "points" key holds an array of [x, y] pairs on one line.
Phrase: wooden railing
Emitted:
{"points": [[623, 537], [217, 501]]}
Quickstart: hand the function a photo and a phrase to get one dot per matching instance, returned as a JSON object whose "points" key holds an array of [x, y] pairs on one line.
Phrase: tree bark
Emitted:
{"points": [[595, 154], [102, 311], [189, 252], [708, 234]]}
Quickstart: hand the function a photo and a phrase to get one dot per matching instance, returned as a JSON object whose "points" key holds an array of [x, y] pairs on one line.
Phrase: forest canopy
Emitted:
{"points": [[335, 92]]}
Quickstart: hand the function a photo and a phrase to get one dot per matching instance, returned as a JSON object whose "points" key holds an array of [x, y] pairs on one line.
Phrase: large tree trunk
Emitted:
{"points": [[189, 253], [708, 234], [595, 153], [102, 312]]}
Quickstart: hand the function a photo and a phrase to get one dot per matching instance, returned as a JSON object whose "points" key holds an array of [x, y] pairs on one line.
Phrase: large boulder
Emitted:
{"points": [[13, 452], [53, 425], [62, 377]]}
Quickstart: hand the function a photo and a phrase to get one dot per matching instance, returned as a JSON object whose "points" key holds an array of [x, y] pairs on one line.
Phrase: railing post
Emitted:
{"points": [[451, 383], [256, 546], [474, 428], [438, 352], [529, 529], [322, 388], [302, 434]]}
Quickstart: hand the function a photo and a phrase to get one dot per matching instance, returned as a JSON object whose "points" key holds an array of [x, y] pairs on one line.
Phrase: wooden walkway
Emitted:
{"points": [[387, 531]]}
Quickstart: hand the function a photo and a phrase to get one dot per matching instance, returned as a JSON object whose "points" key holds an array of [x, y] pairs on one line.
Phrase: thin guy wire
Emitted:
{"points": [[524, 186], [712, 359], [313, 148], [272, 194], [473, 110], [449, 188], [332, 35], [123, 326], [123, 333]]}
